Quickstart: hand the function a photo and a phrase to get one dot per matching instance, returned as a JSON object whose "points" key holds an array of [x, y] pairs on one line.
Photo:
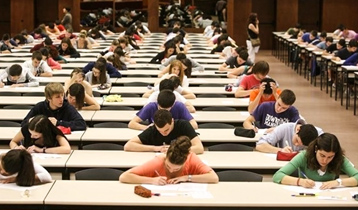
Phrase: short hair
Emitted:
{"points": [[179, 150], [162, 117], [53, 88], [15, 70], [243, 54], [180, 56], [239, 49], [51, 25], [19, 161], [166, 84], [261, 67], [323, 34], [352, 43], [37, 55], [78, 71], [307, 134], [5, 37], [342, 42], [268, 89], [329, 39], [314, 33], [78, 91], [48, 41], [175, 80], [44, 51], [288, 97], [67, 9], [328, 143], [115, 42], [166, 99]]}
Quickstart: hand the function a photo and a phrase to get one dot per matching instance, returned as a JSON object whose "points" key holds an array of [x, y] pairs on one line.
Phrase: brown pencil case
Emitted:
{"points": [[142, 191]]}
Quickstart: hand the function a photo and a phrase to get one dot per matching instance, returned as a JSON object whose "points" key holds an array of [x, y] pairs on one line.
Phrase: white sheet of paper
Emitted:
{"points": [[182, 187], [315, 189], [13, 186], [45, 156]]}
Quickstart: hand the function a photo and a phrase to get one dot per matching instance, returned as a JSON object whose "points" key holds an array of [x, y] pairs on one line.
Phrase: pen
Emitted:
{"points": [[155, 194], [287, 143], [303, 174], [304, 195], [157, 172]]}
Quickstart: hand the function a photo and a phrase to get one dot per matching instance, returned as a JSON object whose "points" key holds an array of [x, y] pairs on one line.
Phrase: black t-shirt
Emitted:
{"points": [[151, 135], [28, 141], [344, 53], [331, 48]]}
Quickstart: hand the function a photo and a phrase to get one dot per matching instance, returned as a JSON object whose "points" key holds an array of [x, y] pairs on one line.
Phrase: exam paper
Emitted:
{"points": [[313, 190]]}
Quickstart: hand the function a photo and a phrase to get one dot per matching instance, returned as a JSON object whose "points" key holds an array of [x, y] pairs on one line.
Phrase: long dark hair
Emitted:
{"points": [[102, 74], [19, 161], [328, 143], [41, 124], [252, 19], [78, 91], [179, 150]]}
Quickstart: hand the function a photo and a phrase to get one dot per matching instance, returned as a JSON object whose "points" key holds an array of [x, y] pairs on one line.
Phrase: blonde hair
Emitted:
{"points": [[179, 64]]}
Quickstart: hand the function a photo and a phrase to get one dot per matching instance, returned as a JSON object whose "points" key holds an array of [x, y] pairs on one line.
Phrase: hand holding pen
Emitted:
{"points": [[159, 180], [306, 182], [255, 127], [287, 148]]}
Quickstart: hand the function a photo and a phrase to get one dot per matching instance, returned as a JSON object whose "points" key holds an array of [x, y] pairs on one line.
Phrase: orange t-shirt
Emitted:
{"points": [[255, 92], [192, 166]]}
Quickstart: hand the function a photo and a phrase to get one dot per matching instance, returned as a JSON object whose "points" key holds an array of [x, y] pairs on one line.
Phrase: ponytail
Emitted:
{"points": [[20, 162]]}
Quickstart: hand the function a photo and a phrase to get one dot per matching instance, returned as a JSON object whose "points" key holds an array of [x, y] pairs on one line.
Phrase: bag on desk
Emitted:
{"points": [[285, 156], [255, 42], [65, 130], [239, 131]]}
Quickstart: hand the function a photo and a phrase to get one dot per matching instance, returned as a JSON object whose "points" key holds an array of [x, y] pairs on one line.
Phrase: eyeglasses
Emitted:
{"points": [[355, 197]]}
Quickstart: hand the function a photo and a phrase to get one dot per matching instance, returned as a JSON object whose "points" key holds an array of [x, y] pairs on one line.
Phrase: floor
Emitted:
{"points": [[316, 106]]}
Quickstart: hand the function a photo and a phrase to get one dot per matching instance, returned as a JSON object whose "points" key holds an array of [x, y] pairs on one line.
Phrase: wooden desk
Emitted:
{"points": [[244, 195], [13, 199], [39, 89], [200, 116], [29, 100], [207, 136], [152, 80], [252, 161]]}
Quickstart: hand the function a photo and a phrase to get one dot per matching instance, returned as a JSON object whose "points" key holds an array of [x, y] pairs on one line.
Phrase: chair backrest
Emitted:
{"points": [[140, 84], [230, 147], [139, 75], [111, 125], [34, 94], [102, 146], [212, 85], [216, 125], [96, 94], [210, 95], [10, 94], [18, 107], [238, 176], [9, 124], [117, 108], [130, 95], [98, 174], [219, 108]]}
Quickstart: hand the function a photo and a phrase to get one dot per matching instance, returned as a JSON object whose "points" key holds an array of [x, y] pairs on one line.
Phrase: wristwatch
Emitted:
{"points": [[189, 178], [339, 182]]}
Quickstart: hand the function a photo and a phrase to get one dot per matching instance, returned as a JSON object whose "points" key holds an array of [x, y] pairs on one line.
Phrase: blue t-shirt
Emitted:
{"points": [[178, 111], [306, 38], [266, 116]]}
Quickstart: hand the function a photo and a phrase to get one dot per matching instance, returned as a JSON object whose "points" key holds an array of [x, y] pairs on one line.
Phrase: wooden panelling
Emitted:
{"points": [[286, 14], [309, 14], [4, 17], [266, 14], [337, 12], [74, 5], [22, 16], [153, 15], [45, 12]]}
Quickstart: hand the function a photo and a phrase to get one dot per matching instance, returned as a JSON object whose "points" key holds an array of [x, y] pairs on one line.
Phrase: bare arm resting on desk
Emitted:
{"points": [[135, 124], [136, 145]]}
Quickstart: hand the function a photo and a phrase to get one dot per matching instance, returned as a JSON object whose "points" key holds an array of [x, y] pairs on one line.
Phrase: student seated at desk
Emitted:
{"points": [[308, 37], [5, 45], [178, 165], [346, 52], [98, 76], [18, 76], [267, 91], [111, 70], [166, 100], [67, 50], [176, 68], [165, 129], [351, 61], [347, 34], [293, 32], [59, 111], [288, 137], [272, 114], [195, 66], [161, 57], [37, 66], [39, 135], [238, 59], [79, 99], [77, 76], [323, 161], [49, 60], [17, 166], [250, 82], [168, 84]]}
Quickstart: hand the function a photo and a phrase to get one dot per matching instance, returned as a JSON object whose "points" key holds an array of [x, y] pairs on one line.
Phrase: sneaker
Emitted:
{"points": [[333, 85], [330, 82]]}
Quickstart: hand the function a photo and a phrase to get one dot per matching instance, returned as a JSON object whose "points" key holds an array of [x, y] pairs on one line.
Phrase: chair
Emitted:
{"points": [[130, 95], [211, 95], [96, 94], [230, 147], [215, 125], [238, 176], [212, 85], [117, 108], [136, 84], [34, 94], [208, 76], [9, 124], [102, 146], [98, 174], [111, 125], [10, 94], [218, 108], [139, 75], [18, 107]]}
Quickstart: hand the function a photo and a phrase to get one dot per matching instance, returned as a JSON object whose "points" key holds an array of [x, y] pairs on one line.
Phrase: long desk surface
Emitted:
{"points": [[255, 195]]}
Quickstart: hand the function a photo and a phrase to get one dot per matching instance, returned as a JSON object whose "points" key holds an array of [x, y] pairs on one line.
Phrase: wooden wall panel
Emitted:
{"points": [[45, 12], [153, 15], [266, 14], [75, 11], [337, 12], [4, 17], [286, 14], [309, 14], [22, 16]]}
